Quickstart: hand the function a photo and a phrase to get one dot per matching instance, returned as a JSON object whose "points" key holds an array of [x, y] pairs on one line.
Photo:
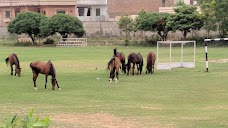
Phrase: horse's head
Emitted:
{"points": [[18, 71], [149, 68], [53, 83]]}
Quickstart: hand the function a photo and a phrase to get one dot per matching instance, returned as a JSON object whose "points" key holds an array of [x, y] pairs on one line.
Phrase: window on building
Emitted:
{"points": [[17, 10], [98, 12], [163, 3], [81, 11], [7, 14], [61, 11], [89, 12]]}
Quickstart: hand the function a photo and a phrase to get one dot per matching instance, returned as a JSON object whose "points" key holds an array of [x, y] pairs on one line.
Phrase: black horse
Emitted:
{"points": [[121, 56], [135, 59]]}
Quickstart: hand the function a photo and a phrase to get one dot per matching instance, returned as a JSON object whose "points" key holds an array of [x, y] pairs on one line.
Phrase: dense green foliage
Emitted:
{"points": [[185, 19], [65, 25], [176, 98], [34, 25], [28, 23]]}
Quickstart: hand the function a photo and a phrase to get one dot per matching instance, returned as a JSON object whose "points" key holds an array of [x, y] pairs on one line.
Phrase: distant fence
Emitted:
{"points": [[72, 42]]}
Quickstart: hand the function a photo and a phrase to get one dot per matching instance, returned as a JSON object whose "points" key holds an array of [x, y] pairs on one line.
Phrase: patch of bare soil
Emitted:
{"points": [[219, 61], [216, 107], [94, 120]]}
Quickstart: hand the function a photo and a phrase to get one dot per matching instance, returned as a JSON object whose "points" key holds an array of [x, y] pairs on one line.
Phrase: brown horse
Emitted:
{"points": [[121, 56], [46, 68], [114, 66], [150, 62], [13, 60], [135, 59]]}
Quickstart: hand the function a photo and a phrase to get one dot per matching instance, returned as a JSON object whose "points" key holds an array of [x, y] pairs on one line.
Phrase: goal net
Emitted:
{"points": [[174, 54]]}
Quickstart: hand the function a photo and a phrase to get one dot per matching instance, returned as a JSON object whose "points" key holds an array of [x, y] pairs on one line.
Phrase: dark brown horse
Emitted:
{"points": [[150, 62], [121, 56], [46, 68], [13, 60], [135, 59], [114, 66]]}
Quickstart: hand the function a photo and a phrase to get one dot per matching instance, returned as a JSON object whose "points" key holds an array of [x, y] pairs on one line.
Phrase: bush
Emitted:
{"points": [[49, 41]]}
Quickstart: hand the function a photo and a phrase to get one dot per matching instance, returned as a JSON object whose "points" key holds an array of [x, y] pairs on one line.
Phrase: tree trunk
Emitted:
{"points": [[33, 39]]}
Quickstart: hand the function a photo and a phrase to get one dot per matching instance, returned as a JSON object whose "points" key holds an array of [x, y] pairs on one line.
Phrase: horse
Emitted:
{"points": [[135, 59], [46, 68], [13, 60], [150, 62], [121, 56], [114, 66]]}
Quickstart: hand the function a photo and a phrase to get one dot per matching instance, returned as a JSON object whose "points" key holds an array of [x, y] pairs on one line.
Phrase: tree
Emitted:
{"points": [[153, 22], [222, 16], [209, 13], [65, 25], [28, 23], [185, 19], [126, 24]]}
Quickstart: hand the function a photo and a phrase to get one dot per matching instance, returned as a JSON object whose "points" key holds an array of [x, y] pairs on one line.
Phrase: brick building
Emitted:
{"points": [[10, 8], [132, 7]]}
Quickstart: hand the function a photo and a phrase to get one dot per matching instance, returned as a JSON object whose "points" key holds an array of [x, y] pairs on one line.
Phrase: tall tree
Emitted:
{"points": [[126, 24], [222, 16], [185, 19], [153, 22], [28, 23], [209, 12], [65, 25]]}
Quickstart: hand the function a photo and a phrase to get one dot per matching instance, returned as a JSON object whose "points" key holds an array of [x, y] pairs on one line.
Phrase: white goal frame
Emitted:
{"points": [[170, 64]]}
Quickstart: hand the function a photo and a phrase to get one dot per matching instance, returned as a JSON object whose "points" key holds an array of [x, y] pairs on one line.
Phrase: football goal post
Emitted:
{"points": [[174, 54]]}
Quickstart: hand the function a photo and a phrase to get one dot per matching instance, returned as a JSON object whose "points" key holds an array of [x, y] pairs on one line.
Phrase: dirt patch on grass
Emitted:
{"points": [[219, 61], [94, 120], [216, 107]]}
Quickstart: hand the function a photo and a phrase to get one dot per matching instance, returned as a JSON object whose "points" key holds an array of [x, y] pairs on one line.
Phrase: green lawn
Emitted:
{"points": [[177, 98]]}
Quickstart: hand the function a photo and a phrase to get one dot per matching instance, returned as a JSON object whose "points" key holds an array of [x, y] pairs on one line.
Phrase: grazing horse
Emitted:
{"points": [[46, 68], [135, 59], [114, 66], [150, 62], [121, 56], [13, 60]]}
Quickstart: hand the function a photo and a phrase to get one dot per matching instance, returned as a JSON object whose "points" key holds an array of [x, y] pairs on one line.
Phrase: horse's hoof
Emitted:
{"points": [[60, 89], [116, 80], [36, 88]]}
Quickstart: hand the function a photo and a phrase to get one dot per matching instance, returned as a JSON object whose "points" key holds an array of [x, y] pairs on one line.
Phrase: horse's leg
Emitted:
{"points": [[35, 75], [46, 76], [58, 85], [117, 75], [12, 70], [133, 69]]}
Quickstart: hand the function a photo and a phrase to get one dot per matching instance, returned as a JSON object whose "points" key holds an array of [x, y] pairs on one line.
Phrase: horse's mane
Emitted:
{"points": [[18, 63], [110, 62], [52, 71]]}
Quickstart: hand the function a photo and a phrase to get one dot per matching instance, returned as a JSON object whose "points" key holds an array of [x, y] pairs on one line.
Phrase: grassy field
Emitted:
{"points": [[177, 98]]}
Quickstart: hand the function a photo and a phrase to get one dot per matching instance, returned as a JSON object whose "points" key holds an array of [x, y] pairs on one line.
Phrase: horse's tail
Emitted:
{"points": [[110, 62], [7, 61], [114, 51], [52, 71]]}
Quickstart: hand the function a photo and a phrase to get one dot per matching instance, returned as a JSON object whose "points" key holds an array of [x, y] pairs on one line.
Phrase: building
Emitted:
{"points": [[133, 7], [92, 10], [10, 8]]}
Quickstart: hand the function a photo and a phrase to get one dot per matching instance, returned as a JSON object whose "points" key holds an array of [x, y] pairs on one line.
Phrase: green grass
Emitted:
{"points": [[179, 98]]}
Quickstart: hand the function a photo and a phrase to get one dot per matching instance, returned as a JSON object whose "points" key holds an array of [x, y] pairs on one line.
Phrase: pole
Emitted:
{"points": [[206, 55]]}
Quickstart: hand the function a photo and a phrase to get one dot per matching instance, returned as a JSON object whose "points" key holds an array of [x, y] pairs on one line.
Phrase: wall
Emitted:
{"points": [[132, 7]]}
